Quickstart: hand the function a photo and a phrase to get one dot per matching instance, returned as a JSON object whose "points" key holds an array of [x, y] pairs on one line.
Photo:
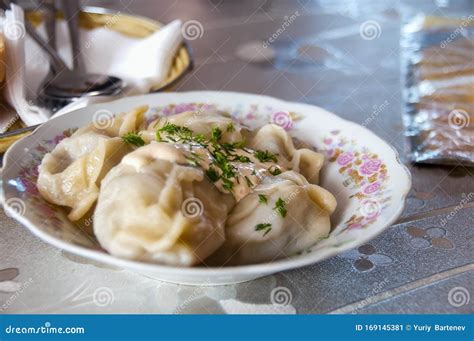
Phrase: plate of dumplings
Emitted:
{"points": [[203, 187]]}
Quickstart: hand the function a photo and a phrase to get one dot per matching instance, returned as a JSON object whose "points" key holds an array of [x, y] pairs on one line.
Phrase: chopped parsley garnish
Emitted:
{"points": [[216, 134], [274, 170], [262, 199], [230, 127], [171, 129], [265, 156], [224, 155], [263, 227], [280, 207], [241, 158], [199, 138], [193, 160], [227, 184], [231, 146], [133, 139], [212, 174], [249, 183]]}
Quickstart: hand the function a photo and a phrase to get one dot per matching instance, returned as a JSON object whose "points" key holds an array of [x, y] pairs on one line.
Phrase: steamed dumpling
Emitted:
{"points": [[70, 175], [257, 232], [154, 207], [276, 140]]}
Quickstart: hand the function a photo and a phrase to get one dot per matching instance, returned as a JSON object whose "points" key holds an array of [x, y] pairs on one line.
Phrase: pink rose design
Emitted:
{"points": [[345, 158], [370, 167], [282, 119], [327, 141], [250, 116], [372, 188]]}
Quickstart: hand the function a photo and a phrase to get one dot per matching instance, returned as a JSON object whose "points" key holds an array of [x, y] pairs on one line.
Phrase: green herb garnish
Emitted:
{"points": [[263, 227], [249, 183], [133, 139], [227, 184], [280, 207], [212, 174], [174, 132], [262, 199], [265, 156], [230, 127], [241, 158], [231, 146], [216, 134]]}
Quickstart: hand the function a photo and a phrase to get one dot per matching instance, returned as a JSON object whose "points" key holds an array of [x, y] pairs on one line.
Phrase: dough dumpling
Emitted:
{"points": [[256, 232], [155, 207], [124, 123], [70, 175], [276, 140], [201, 123]]}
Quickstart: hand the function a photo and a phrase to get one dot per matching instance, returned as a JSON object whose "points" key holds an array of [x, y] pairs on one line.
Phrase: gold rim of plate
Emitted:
{"points": [[129, 25]]}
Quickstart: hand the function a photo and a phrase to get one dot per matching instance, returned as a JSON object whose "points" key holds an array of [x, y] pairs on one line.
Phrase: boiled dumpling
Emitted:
{"points": [[284, 215], [201, 123], [276, 140], [105, 124], [155, 207], [70, 175]]}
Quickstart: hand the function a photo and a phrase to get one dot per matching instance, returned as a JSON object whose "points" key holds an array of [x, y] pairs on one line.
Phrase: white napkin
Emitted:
{"points": [[141, 63], [12, 26]]}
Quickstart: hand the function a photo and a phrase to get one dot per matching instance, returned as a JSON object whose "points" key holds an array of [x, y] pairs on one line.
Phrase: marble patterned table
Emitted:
{"points": [[422, 264]]}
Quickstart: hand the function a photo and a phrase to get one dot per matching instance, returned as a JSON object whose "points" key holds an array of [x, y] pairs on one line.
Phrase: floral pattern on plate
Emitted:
{"points": [[364, 173]]}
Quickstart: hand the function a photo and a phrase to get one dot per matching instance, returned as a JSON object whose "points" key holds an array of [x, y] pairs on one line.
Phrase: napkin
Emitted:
{"points": [[142, 63], [13, 29]]}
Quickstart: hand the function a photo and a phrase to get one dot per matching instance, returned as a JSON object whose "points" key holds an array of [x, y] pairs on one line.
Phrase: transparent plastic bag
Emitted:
{"points": [[437, 59]]}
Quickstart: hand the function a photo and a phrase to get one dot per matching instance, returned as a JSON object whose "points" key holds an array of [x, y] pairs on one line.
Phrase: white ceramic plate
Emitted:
{"points": [[362, 171]]}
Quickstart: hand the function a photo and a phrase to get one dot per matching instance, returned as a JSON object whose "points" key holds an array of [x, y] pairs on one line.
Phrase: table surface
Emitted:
{"points": [[419, 265]]}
